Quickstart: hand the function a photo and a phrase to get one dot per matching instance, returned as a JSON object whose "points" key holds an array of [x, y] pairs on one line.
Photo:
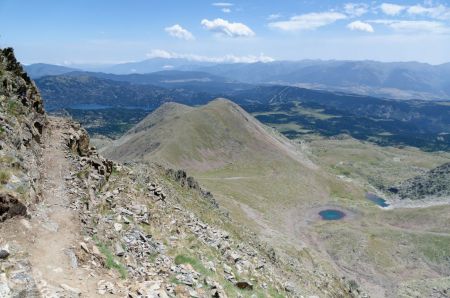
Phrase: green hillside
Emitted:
{"points": [[276, 188]]}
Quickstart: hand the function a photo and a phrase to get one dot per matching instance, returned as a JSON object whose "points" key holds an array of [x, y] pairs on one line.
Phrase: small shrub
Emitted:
{"points": [[22, 189], [353, 285], [4, 177], [83, 173], [152, 257], [14, 107]]}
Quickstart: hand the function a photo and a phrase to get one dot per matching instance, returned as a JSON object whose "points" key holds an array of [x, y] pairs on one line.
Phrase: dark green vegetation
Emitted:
{"points": [[386, 122], [433, 183], [67, 91], [191, 80], [110, 122], [296, 120], [296, 112]]}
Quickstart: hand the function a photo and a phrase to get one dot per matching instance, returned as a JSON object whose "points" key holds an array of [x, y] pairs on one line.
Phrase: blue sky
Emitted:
{"points": [[113, 31]]}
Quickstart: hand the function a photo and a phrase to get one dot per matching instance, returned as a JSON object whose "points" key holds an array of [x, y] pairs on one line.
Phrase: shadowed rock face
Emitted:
{"points": [[23, 123], [10, 207], [434, 183], [19, 81]]}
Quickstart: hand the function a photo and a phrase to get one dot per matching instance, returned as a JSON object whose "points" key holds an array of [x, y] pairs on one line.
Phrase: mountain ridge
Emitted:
{"points": [[401, 80], [229, 118]]}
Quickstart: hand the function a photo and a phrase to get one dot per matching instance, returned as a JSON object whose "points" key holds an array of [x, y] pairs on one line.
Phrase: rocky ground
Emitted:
{"points": [[91, 235], [431, 185]]}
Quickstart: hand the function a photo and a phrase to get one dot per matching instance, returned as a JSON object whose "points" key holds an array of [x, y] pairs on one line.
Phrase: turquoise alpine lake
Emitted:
{"points": [[377, 200], [331, 214]]}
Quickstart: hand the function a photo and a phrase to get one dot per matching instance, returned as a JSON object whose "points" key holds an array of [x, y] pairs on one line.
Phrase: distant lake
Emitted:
{"points": [[94, 106], [331, 214], [377, 200], [89, 106]]}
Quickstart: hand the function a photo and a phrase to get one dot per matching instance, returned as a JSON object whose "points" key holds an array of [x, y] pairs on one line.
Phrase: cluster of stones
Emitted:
{"points": [[157, 191], [151, 271]]}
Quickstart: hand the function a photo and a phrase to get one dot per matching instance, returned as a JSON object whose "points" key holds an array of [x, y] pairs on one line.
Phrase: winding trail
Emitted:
{"points": [[53, 234], [56, 225]]}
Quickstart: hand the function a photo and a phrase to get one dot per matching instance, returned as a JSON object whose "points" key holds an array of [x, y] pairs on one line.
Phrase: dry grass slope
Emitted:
{"points": [[275, 188]]}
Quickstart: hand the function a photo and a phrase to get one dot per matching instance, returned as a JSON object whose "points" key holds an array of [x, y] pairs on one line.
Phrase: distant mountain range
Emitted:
{"points": [[88, 92], [192, 80], [41, 69], [400, 80]]}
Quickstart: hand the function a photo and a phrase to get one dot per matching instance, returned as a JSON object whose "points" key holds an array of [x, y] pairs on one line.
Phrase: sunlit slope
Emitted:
{"points": [[259, 174], [207, 137], [276, 188]]}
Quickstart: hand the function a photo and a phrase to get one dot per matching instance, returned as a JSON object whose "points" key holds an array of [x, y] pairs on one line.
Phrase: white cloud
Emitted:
{"points": [[419, 26], [418, 9], [356, 9], [415, 26], [157, 53], [214, 59], [223, 4], [440, 12], [308, 21], [226, 10], [274, 16], [392, 9], [360, 26], [227, 28], [179, 32]]}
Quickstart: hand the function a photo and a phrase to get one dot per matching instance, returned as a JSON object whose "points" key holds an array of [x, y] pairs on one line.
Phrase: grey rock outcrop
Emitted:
{"points": [[432, 184], [22, 125]]}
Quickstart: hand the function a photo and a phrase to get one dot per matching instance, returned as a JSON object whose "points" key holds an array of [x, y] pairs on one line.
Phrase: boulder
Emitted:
{"points": [[120, 252], [4, 252], [244, 285], [10, 206]]}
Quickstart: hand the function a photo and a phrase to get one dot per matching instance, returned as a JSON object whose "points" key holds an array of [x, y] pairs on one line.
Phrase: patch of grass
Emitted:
{"points": [[345, 172], [7, 160], [14, 107], [194, 262], [83, 173], [111, 262], [175, 281], [274, 293], [114, 171], [4, 177], [104, 208], [152, 257], [22, 189], [232, 291], [436, 249]]}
